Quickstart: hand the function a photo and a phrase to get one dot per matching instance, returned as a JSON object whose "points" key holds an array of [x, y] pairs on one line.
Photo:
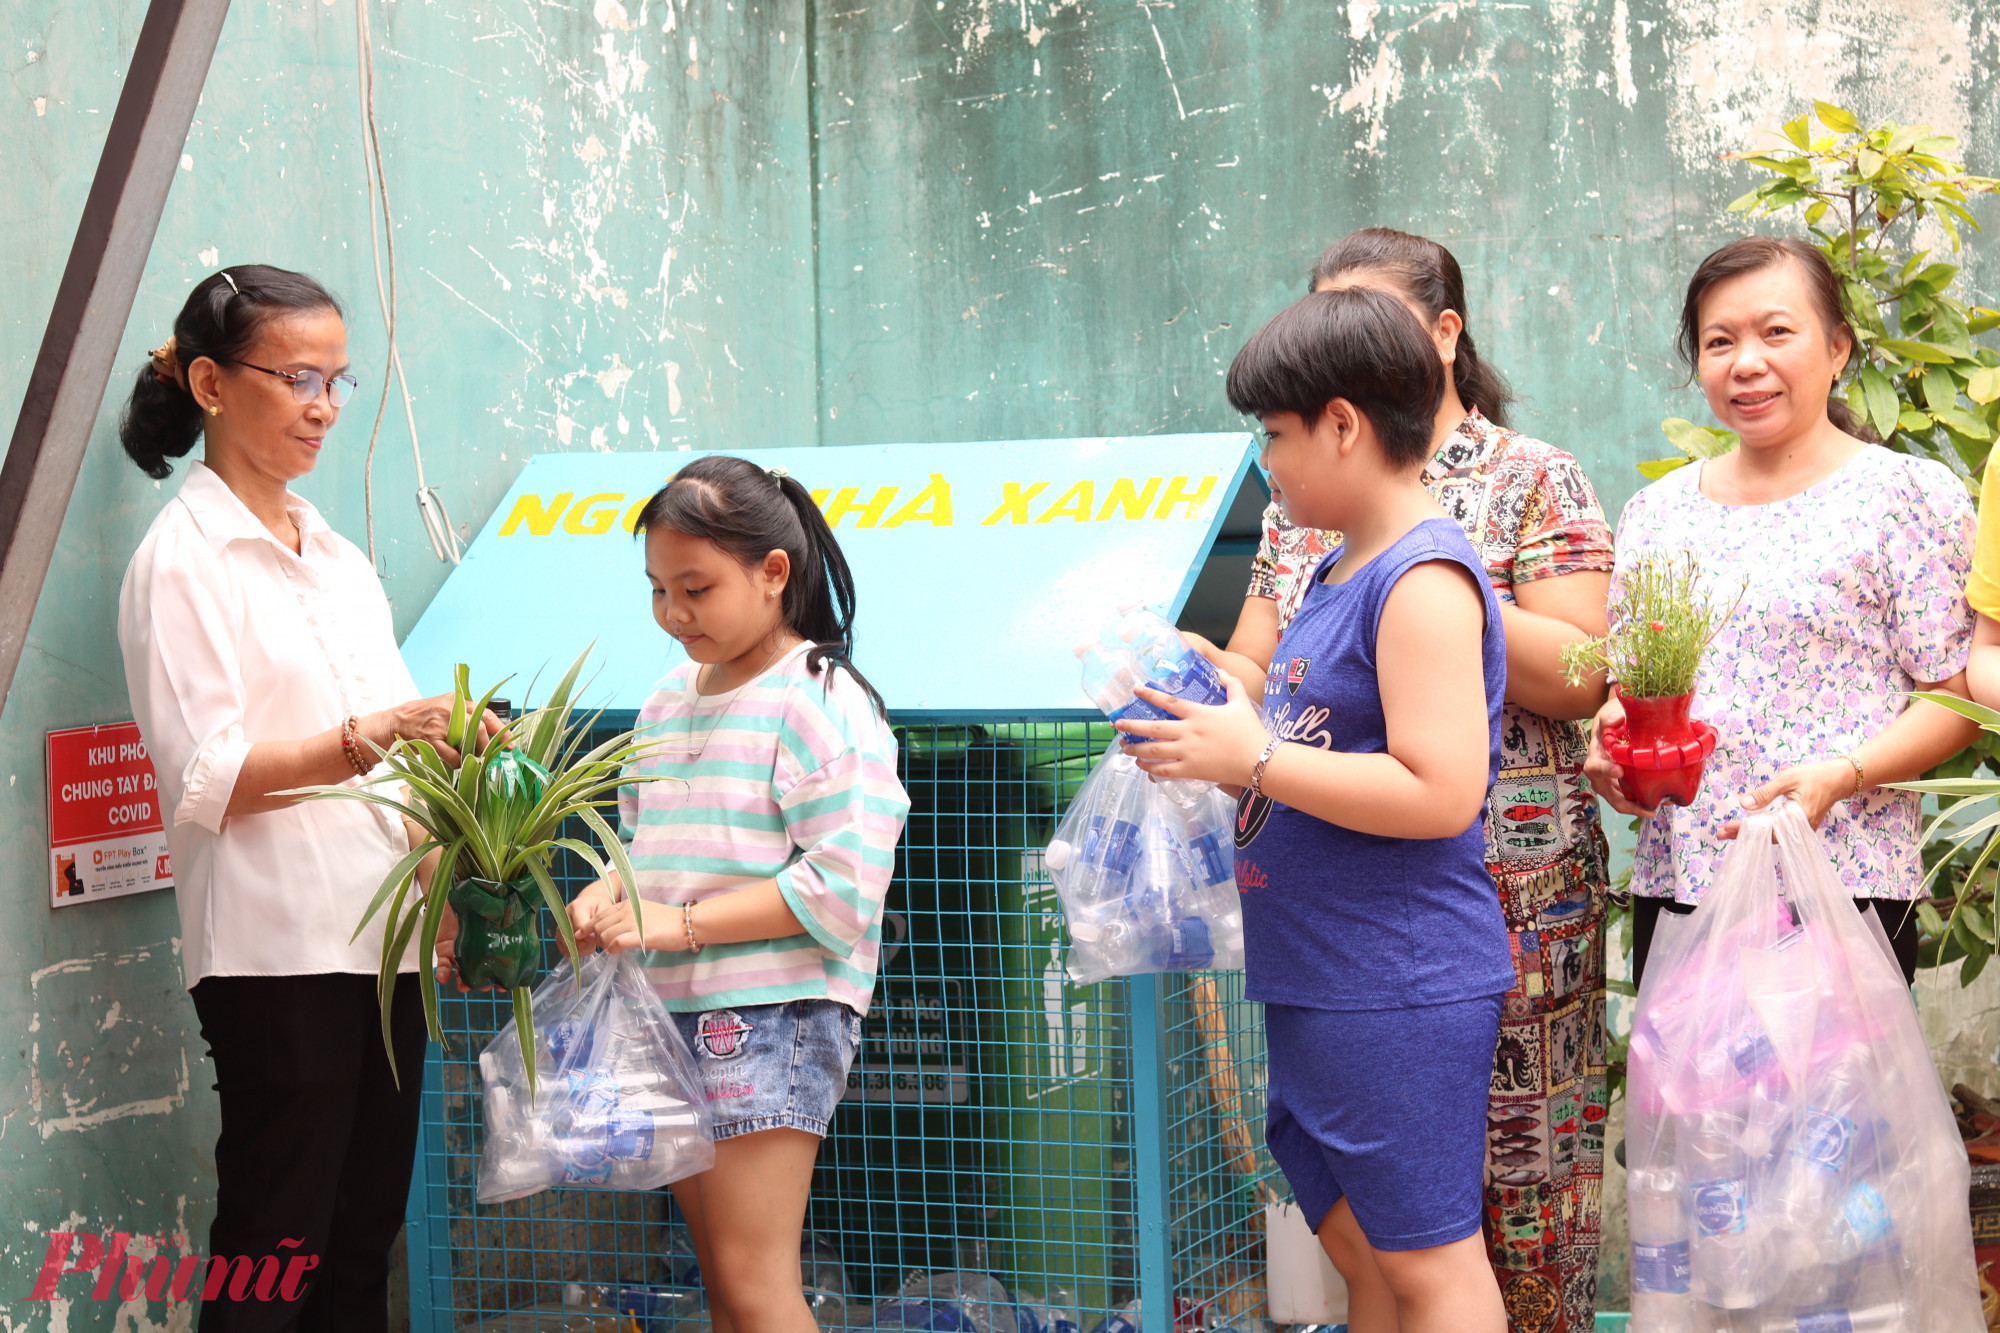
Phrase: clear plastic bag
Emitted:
{"points": [[1793, 1163], [1147, 874], [617, 1104]]}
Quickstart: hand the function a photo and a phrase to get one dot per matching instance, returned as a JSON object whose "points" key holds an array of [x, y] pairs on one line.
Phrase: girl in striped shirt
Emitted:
{"points": [[764, 865]]}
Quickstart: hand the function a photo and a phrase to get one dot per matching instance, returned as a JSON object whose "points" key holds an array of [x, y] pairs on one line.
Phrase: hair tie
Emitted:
{"points": [[167, 363], [232, 282], [777, 473]]}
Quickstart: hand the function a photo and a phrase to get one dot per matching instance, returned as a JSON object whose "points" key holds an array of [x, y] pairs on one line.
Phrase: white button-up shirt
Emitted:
{"points": [[231, 639]]}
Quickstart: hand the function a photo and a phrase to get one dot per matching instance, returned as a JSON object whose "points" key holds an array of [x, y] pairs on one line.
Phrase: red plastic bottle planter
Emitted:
{"points": [[1660, 751]]}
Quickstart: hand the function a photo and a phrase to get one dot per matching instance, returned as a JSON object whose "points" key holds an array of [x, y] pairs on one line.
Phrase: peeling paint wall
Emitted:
{"points": [[642, 224]]}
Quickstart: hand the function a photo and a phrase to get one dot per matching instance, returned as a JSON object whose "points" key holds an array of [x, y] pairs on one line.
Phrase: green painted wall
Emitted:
{"points": [[1031, 219]]}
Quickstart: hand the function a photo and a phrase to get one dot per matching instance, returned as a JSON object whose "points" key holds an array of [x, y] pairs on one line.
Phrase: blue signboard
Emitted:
{"points": [[976, 566]]}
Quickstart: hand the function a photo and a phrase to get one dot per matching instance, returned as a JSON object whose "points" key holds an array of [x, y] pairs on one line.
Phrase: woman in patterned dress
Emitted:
{"points": [[1848, 565], [1531, 514]]}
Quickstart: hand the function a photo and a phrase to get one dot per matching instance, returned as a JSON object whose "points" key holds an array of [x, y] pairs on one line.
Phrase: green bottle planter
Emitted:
{"points": [[499, 932]]}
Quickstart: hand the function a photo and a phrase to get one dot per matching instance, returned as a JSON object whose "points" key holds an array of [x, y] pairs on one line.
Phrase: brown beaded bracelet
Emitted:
{"points": [[687, 924], [350, 745]]}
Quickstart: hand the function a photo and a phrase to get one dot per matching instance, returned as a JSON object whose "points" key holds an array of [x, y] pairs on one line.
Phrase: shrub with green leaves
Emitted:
{"points": [[1863, 194]]}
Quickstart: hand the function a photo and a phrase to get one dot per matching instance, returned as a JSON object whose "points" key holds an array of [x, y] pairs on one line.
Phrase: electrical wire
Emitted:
{"points": [[430, 504]]}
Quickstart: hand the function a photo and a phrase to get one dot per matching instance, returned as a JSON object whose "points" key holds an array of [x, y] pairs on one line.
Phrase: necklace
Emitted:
{"points": [[693, 760]]}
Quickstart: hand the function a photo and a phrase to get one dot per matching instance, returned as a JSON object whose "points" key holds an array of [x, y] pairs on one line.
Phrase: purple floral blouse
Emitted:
{"points": [[1853, 591]]}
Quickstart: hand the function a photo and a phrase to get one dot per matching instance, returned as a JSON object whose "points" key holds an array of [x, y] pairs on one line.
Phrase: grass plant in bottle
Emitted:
{"points": [[1662, 621]]}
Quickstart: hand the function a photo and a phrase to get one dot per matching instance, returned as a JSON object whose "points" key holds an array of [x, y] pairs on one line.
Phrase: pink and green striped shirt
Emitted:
{"points": [[790, 777]]}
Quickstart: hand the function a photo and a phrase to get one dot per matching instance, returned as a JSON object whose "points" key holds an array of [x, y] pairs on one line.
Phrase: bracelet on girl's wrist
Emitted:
{"points": [[687, 925], [1257, 771], [1860, 776]]}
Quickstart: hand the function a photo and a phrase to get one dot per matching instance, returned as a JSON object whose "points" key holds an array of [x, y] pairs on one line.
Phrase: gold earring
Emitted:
{"points": [[215, 409]]}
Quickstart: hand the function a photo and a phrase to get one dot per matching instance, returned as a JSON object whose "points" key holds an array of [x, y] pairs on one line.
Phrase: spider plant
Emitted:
{"points": [[496, 818]]}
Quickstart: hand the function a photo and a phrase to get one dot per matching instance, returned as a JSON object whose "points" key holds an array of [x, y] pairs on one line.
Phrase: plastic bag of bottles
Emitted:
{"points": [[1147, 874], [615, 1106], [1792, 1162]]}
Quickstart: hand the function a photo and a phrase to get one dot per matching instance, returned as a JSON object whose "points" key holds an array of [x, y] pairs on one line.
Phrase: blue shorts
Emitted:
{"points": [[772, 1066], [1387, 1108]]}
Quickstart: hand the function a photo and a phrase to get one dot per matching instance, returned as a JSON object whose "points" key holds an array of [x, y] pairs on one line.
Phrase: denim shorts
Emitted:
{"points": [[772, 1066]]}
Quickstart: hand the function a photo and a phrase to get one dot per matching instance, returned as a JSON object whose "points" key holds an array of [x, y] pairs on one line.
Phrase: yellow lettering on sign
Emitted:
{"points": [[541, 519], [631, 520], [937, 495], [1014, 502], [871, 513], [819, 496], [1134, 503], [1075, 503], [1177, 493], [593, 515]]}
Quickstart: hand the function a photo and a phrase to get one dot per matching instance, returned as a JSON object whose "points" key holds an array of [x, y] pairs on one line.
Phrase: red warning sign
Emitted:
{"points": [[106, 836]]}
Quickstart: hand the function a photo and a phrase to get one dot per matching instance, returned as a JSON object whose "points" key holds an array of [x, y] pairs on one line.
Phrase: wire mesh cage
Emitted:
{"points": [[1086, 1146]]}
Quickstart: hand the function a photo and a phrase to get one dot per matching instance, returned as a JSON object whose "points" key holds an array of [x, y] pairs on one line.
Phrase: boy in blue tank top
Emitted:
{"points": [[1373, 933]]}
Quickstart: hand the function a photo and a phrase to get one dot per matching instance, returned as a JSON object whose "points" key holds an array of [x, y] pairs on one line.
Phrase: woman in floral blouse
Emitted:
{"points": [[1852, 563], [1535, 521]]}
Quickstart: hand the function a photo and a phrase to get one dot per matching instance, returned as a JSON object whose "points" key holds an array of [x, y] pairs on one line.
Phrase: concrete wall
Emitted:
{"points": [[639, 224]]}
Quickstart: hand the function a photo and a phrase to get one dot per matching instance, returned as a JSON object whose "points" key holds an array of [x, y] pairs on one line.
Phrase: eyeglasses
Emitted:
{"points": [[306, 384]]}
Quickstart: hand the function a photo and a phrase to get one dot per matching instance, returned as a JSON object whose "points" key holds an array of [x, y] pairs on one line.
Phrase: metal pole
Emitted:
{"points": [[106, 262], [1149, 1155]]}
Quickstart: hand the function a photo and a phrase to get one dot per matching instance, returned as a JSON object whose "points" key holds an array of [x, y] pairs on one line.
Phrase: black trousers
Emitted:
{"points": [[317, 1141], [1899, 922]]}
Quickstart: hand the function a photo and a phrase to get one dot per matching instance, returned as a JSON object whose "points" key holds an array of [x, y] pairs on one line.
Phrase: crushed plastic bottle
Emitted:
{"points": [[1657, 1206], [1125, 1319], [949, 1302]]}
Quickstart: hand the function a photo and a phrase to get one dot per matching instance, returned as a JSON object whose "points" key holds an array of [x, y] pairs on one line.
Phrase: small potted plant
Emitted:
{"points": [[1661, 623], [496, 822]]}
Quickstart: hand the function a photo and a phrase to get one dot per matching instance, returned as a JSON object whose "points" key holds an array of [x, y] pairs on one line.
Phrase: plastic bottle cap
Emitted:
{"points": [[1059, 855]]}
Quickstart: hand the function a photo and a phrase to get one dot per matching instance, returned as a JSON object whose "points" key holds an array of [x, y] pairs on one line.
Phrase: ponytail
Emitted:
{"points": [[221, 320], [1427, 274], [750, 512]]}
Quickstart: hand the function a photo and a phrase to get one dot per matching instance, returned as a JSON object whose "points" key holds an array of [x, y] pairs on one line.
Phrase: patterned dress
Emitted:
{"points": [[1531, 514], [1852, 591]]}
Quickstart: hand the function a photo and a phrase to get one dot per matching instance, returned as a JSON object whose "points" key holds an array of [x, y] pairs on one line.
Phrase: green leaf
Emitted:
{"points": [[1983, 320], [1883, 406], [1983, 384], [1815, 212], [1799, 132], [1655, 468], [1838, 119], [1975, 963], [1743, 203], [461, 695], [1978, 712], [1907, 137], [395, 879], [1940, 389], [1701, 442], [1963, 422], [524, 1032], [1913, 421], [1928, 919], [1910, 350], [553, 897], [1868, 163]]}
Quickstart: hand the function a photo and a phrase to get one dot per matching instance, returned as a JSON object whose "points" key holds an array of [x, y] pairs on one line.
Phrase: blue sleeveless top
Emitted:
{"points": [[1332, 918]]}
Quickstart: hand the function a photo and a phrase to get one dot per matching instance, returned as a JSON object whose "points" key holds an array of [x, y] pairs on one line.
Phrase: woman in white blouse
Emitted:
{"points": [[260, 657]]}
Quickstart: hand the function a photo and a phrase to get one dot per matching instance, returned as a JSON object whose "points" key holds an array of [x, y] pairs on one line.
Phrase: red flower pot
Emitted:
{"points": [[1660, 751]]}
